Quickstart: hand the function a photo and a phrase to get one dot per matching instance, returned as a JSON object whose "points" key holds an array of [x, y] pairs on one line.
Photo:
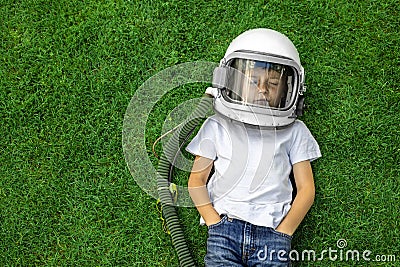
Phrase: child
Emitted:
{"points": [[254, 142]]}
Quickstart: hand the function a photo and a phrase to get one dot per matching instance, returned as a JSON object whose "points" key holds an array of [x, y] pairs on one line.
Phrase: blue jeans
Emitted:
{"points": [[234, 243]]}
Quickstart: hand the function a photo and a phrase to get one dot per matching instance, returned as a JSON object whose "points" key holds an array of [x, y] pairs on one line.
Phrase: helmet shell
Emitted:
{"points": [[265, 41]]}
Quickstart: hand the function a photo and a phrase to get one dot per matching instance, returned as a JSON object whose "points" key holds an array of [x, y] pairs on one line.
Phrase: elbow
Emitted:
{"points": [[312, 198], [307, 194], [190, 182], [311, 195]]}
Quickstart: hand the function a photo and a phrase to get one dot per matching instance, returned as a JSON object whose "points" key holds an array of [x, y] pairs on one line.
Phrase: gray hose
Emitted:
{"points": [[164, 178]]}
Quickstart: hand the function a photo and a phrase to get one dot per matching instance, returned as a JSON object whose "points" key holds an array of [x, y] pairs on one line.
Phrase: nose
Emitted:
{"points": [[262, 88]]}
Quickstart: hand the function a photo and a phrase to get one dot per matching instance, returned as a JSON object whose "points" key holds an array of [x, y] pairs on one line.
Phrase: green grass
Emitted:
{"points": [[68, 70]]}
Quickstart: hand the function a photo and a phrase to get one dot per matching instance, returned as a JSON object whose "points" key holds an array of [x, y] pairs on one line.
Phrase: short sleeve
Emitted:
{"points": [[203, 144], [304, 146]]}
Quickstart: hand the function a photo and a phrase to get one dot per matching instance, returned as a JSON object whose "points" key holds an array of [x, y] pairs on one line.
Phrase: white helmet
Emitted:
{"points": [[260, 80]]}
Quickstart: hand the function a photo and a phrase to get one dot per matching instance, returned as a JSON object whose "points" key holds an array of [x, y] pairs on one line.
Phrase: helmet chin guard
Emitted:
{"points": [[260, 80]]}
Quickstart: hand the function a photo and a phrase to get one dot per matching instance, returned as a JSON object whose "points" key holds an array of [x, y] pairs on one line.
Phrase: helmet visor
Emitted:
{"points": [[259, 83]]}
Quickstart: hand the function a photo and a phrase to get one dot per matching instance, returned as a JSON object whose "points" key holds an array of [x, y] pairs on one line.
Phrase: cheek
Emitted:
{"points": [[273, 91]]}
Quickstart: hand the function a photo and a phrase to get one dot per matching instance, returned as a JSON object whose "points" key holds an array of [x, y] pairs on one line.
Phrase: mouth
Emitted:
{"points": [[261, 102], [264, 96]]}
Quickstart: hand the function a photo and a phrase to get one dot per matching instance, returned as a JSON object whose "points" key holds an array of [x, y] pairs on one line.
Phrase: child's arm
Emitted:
{"points": [[304, 199], [198, 190]]}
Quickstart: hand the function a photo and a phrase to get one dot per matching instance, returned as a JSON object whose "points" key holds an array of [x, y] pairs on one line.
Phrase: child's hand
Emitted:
{"points": [[213, 220]]}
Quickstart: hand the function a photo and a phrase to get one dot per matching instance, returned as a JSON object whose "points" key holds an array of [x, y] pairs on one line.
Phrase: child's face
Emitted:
{"points": [[269, 86]]}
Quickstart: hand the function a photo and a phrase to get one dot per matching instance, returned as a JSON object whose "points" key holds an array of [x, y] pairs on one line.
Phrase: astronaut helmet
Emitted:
{"points": [[260, 80]]}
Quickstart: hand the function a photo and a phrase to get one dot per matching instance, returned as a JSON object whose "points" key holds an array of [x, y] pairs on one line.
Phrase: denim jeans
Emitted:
{"points": [[233, 242]]}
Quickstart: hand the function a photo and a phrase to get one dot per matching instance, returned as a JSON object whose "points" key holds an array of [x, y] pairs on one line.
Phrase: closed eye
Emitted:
{"points": [[273, 82]]}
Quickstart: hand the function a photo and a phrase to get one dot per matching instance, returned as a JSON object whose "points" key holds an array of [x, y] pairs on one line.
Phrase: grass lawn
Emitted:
{"points": [[68, 70]]}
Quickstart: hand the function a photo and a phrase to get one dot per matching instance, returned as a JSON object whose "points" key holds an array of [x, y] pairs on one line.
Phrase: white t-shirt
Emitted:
{"points": [[252, 166]]}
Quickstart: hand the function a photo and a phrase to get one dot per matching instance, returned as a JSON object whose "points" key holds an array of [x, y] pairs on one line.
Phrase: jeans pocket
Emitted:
{"points": [[215, 225], [282, 234]]}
